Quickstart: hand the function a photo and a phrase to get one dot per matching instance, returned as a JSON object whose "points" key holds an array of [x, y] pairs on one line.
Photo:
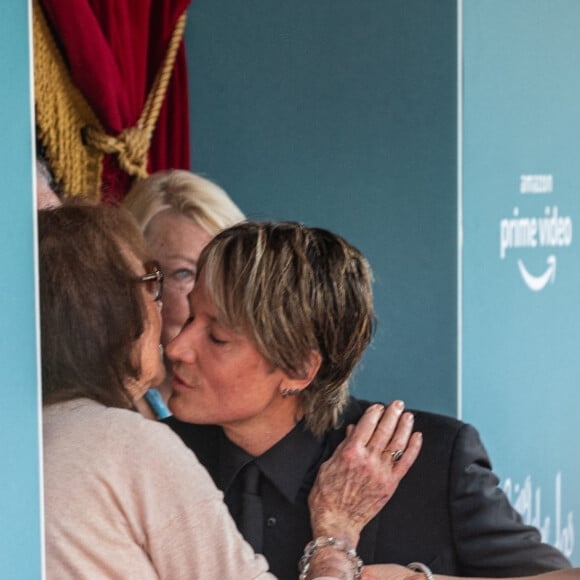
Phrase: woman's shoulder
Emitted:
{"points": [[114, 440], [92, 416], [91, 424]]}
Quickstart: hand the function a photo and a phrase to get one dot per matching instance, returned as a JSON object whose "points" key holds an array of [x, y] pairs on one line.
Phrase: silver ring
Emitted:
{"points": [[395, 455]]}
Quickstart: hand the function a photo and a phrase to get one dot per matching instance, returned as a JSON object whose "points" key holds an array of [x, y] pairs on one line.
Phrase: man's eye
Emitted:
{"points": [[216, 340]]}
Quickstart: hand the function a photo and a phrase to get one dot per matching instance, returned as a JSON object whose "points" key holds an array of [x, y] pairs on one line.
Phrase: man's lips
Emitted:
{"points": [[179, 383]]}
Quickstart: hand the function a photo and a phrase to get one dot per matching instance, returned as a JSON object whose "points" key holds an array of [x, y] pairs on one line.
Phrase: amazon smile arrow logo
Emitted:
{"points": [[537, 283], [552, 232]]}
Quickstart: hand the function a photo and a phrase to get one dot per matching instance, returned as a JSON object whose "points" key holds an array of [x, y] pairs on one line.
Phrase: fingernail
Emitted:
{"points": [[375, 408], [399, 405]]}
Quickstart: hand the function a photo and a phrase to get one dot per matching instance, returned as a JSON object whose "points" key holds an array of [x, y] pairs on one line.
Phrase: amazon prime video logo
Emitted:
{"points": [[548, 231]]}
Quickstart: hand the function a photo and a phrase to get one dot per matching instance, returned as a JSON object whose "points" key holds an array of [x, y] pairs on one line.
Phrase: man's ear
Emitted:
{"points": [[295, 385], [313, 366]]}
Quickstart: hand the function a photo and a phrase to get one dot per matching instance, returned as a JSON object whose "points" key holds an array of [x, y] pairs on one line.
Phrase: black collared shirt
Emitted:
{"points": [[288, 470]]}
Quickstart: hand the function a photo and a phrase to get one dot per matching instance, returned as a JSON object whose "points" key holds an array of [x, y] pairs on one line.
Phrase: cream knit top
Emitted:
{"points": [[125, 499]]}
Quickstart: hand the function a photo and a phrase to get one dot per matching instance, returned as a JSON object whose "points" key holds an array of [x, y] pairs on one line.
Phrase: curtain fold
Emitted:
{"points": [[114, 50]]}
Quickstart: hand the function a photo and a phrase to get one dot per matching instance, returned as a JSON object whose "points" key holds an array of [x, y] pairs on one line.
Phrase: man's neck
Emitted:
{"points": [[260, 434]]}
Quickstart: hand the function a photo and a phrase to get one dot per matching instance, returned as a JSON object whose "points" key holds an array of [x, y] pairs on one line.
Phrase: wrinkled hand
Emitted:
{"points": [[389, 572], [362, 475]]}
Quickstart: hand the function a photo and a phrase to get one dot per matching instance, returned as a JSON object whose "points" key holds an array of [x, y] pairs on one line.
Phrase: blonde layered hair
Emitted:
{"points": [[292, 291], [185, 193]]}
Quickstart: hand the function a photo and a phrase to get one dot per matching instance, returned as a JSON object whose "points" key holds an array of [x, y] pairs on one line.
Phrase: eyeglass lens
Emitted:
{"points": [[153, 280]]}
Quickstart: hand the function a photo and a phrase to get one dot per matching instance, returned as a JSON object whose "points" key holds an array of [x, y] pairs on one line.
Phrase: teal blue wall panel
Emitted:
{"points": [[19, 475], [521, 261], [343, 114]]}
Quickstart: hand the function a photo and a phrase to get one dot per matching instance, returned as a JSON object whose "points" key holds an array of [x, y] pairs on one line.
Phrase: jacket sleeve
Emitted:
{"points": [[490, 537]]}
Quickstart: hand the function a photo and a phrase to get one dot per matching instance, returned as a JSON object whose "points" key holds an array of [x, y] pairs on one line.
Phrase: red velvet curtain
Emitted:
{"points": [[114, 49]]}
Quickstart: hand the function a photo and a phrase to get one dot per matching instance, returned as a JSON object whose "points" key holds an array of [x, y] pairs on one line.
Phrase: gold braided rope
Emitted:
{"points": [[61, 113], [132, 144], [74, 138]]}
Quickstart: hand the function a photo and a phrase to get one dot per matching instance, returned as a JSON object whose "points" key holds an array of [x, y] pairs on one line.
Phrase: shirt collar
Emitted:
{"points": [[287, 476]]}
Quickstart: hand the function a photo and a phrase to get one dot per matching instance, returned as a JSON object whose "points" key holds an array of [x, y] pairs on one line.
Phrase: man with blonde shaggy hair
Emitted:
{"points": [[279, 316]]}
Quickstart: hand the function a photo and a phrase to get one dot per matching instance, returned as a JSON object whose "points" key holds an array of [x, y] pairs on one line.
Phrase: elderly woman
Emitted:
{"points": [[178, 212], [124, 498], [279, 316]]}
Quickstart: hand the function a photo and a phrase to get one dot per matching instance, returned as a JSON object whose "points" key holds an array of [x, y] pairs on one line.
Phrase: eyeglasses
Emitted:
{"points": [[153, 279]]}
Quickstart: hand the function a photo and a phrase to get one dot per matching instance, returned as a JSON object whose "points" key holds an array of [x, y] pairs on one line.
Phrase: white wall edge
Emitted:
{"points": [[36, 295], [460, 209]]}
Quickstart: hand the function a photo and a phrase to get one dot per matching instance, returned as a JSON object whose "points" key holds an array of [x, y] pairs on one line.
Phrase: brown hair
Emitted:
{"points": [[293, 290], [91, 310]]}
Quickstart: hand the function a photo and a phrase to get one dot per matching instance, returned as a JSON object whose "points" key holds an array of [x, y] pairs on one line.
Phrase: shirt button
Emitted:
{"points": [[271, 522]]}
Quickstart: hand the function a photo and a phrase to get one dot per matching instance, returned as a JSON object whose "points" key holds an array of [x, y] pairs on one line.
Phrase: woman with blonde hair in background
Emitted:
{"points": [[179, 212]]}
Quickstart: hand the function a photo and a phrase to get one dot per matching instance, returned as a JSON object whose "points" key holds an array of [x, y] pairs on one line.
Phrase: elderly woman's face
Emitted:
{"points": [[176, 243], [220, 378], [146, 353]]}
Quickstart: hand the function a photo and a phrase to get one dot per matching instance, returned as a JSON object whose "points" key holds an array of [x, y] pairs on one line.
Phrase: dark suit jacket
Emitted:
{"points": [[448, 512]]}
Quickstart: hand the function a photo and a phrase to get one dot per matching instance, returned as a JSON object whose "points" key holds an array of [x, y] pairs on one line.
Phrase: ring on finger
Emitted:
{"points": [[395, 455]]}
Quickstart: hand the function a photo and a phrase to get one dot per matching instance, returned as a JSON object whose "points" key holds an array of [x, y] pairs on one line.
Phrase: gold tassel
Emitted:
{"points": [[74, 138], [61, 114]]}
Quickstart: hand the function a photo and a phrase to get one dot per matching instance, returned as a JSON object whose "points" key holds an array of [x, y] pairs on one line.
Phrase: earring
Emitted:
{"points": [[290, 392]]}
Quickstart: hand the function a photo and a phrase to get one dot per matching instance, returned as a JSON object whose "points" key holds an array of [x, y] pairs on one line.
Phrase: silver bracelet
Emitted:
{"points": [[315, 545], [418, 567]]}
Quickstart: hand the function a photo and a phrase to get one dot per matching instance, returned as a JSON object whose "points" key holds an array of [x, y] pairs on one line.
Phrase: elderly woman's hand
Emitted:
{"points": [[389, 572], [364, 472]]}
